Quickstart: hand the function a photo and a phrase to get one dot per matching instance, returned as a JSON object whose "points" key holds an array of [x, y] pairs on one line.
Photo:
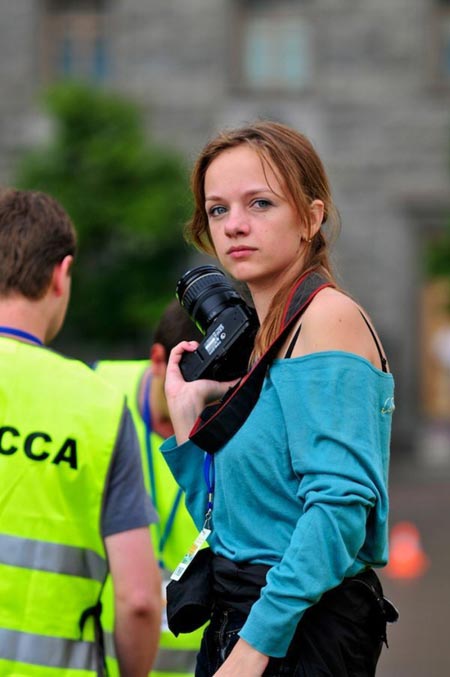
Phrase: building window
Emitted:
{"points": [[446, 45], [74, 40], [275, 48], [441, 42]]}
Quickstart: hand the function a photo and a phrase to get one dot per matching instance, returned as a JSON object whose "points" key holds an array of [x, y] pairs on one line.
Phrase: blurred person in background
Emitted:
{"points": [[142, 381], [300, 504], [72, 496]]}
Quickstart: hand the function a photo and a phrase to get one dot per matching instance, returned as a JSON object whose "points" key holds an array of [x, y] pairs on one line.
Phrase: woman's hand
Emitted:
{"points": [[243, 661], [187, 399]]}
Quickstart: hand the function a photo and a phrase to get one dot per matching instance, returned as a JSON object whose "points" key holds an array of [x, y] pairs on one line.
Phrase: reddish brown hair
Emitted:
{"points": [[294, 159]]}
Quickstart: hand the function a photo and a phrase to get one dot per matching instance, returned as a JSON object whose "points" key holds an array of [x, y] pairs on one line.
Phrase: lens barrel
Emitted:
{"points": [[204, 292]]}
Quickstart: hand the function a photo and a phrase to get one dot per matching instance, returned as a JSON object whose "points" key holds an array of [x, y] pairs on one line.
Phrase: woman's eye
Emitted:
{"points": [[261, 203], [216, 211]]}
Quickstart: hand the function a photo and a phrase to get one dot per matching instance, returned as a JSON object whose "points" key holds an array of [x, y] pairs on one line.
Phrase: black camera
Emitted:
{"points": [[222, 315]]}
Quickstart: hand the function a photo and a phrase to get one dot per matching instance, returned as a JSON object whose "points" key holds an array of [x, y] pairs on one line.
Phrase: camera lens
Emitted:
{"points": [[204, 292]]}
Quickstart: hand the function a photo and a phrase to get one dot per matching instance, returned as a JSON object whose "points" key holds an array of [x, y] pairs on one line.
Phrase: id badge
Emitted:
{"points": [[189, 556]]}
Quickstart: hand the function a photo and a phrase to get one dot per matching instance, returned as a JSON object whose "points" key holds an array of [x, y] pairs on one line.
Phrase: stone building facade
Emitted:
{"points": [[368, 82]]}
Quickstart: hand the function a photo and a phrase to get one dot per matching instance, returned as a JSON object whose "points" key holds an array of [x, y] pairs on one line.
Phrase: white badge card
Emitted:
{"points": [[189, 556]]}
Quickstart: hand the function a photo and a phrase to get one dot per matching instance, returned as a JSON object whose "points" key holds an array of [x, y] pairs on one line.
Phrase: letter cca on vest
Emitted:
{"points": [[38, 446]]}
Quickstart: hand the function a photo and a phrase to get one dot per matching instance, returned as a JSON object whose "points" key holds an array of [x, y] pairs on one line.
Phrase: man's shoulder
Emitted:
{"points": [[118, 364], [119, 369], [82, 375]]}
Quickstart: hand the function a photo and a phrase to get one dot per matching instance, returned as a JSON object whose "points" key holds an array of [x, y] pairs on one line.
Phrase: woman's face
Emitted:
{"points": [[256, 232]]}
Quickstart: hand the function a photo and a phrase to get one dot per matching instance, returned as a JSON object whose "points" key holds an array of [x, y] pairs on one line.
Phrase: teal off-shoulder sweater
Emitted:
{"points": [[302, 486]]}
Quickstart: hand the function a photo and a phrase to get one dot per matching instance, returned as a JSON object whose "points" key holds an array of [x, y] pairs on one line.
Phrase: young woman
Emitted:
{"points": [[300, 504]]}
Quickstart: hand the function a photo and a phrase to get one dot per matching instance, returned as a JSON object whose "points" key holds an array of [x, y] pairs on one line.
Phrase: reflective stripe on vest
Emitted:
{"points": [[53, 557], [167, 660], [52, 652], [175, 660]]}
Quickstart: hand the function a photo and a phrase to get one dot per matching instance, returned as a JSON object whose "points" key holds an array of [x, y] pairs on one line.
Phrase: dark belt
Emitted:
{"points": [[237, 585]]}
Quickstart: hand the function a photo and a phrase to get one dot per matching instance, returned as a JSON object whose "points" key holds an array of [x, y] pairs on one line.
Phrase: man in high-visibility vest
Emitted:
{"points": [[143, 383], [72, 496]]}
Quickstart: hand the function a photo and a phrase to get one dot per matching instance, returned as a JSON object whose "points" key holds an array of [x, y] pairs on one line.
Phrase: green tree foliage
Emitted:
{"points": [[438, 255], [128, 199]]}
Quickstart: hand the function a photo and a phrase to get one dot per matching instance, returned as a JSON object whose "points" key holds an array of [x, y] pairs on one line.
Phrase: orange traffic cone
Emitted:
{"points": [[406, 559]]}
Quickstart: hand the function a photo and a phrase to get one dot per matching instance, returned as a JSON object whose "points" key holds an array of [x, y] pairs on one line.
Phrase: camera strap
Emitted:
{"points": [[220, 421]]}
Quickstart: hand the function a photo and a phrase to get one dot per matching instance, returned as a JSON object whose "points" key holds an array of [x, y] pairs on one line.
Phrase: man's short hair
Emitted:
{"points": [[174, 326], [35, 234]]}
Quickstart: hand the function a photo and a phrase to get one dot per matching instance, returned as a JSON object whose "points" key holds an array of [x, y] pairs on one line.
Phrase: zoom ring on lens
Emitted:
{"points": [[198, 286]]}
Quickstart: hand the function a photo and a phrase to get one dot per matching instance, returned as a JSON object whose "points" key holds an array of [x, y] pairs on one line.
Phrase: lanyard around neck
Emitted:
{"points": [[162, 535], [19, 333], [210, 481]]}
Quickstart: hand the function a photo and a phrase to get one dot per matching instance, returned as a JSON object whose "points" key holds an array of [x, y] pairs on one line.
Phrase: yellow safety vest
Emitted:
{"points": [[58, 427], [177, 655]]}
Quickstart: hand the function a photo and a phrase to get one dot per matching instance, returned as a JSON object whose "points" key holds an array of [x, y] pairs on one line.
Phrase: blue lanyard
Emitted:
{"points": [[209, 474], [163, 536], [21, 334]]}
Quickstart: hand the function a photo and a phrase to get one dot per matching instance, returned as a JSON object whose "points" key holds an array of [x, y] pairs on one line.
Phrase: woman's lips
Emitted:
{"points": [[240, 252]]}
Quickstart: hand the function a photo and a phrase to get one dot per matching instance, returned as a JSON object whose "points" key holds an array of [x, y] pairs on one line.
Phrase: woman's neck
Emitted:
{"points": [[263, 293], [261, 307], [262, 299]]}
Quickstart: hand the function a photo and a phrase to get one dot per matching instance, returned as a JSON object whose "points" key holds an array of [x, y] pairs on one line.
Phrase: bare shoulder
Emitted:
{"points": [[331, 306], [334, 321]]}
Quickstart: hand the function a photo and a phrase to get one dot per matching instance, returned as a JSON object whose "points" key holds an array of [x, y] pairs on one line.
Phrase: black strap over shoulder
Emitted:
{"points": [[219, 422]]}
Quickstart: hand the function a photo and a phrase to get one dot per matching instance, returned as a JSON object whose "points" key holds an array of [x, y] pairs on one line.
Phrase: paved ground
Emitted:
{"points": [[420, 641]]}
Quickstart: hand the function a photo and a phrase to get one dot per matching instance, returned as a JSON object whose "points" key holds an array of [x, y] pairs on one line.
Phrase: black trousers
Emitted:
{"points": [[340, 636]]}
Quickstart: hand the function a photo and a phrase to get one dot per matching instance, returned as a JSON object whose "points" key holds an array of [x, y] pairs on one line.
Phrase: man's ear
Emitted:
{"points": [[61, 275], [159, 359]]}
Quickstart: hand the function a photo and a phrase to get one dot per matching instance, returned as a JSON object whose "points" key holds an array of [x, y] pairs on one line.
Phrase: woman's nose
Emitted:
{"points": [[236, 223]]}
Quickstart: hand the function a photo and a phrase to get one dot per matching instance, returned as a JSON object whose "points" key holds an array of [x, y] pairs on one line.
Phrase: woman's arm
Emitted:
{"points": [[338, 440], [186, 400]]}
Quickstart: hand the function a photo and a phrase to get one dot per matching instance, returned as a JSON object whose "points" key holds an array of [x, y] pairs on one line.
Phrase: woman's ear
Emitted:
{"points": [[316, 210]]}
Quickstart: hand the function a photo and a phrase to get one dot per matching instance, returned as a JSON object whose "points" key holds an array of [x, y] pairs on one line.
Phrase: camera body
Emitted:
{"points": [[227, 322]]}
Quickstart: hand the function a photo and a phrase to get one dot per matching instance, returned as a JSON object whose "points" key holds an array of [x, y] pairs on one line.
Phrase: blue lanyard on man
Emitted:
{"points": [[163, 535], [19, 333]]}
